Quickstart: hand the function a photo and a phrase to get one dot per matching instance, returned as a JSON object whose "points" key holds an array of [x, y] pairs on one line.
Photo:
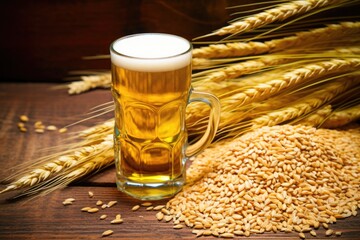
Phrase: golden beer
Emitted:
{"points": [[151, 85]]}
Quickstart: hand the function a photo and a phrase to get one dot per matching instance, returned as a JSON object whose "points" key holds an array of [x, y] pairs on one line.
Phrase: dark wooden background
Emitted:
{"points": [[44, 40]]}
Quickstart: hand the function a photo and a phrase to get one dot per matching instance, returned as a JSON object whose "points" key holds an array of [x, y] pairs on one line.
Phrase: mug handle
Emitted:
{"points": [[213, 124]]}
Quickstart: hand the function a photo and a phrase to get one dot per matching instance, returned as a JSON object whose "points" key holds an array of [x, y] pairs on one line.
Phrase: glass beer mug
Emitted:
{"points": [[151, 87]]}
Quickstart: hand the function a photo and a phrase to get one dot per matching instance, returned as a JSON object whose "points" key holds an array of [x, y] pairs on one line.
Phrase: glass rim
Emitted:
{"points": [[112, 49]]}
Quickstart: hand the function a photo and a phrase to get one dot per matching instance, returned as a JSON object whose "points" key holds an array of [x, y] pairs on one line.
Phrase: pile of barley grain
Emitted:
{"points": [[281, 178]]}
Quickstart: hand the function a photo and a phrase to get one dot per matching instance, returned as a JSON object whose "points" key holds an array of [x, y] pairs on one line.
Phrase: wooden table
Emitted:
{"points": [[45, 217]]}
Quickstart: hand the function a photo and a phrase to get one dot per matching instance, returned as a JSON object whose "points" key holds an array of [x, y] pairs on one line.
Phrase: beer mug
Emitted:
{"points": [[151, 87]]}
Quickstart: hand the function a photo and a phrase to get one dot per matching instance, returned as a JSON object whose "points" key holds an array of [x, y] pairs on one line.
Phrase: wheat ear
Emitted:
{"points": [[235, 49], [244, 68], [42, 172], [279, 13], [103, 128], [90, 82], [316, 118], [342, 117], [240, 49], [307, 104], [251, 66], [292, 78], [99, 160], [318, 35]]}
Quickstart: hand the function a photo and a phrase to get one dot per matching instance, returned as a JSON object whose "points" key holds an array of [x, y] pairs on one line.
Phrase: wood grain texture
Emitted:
{"points": [[41, 102], [45, 217]]}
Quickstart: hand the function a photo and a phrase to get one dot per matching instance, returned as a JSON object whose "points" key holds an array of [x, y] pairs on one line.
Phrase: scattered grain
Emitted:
{"points": [[117, 221], [329, 232], [111, 203], [68, 201], [51, 128], [159, 216], [62, 130], [107, 233], [178, 226], [39, 130], [39, 125], [168, 218], [102, 217], [146, 204], [135, 208], [302, 235], [338, 233], [149, 208], [85, 209], [65, 203], [159, 207], [91, 194], [23, 129], [93, 210], [99, 203], [24, 118], [325, 225]]}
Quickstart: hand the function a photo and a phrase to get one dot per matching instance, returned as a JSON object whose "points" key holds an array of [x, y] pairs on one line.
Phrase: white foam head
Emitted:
{"points": [[151, 52]]}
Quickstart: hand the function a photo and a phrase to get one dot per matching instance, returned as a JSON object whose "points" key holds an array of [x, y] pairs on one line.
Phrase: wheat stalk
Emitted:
{"points": [[244, 68], [90, 82], [342, 117], [292, 78], [99, 160], [234, 49], [66, 160], [104, 128], [236, 109], [305, 105], [333, 32], [320, 35], [278, 13], [301, 39], [269, 61]]}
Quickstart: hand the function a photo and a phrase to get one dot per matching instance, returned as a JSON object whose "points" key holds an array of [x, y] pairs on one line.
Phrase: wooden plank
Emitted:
{"points": [[46, 217]]}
